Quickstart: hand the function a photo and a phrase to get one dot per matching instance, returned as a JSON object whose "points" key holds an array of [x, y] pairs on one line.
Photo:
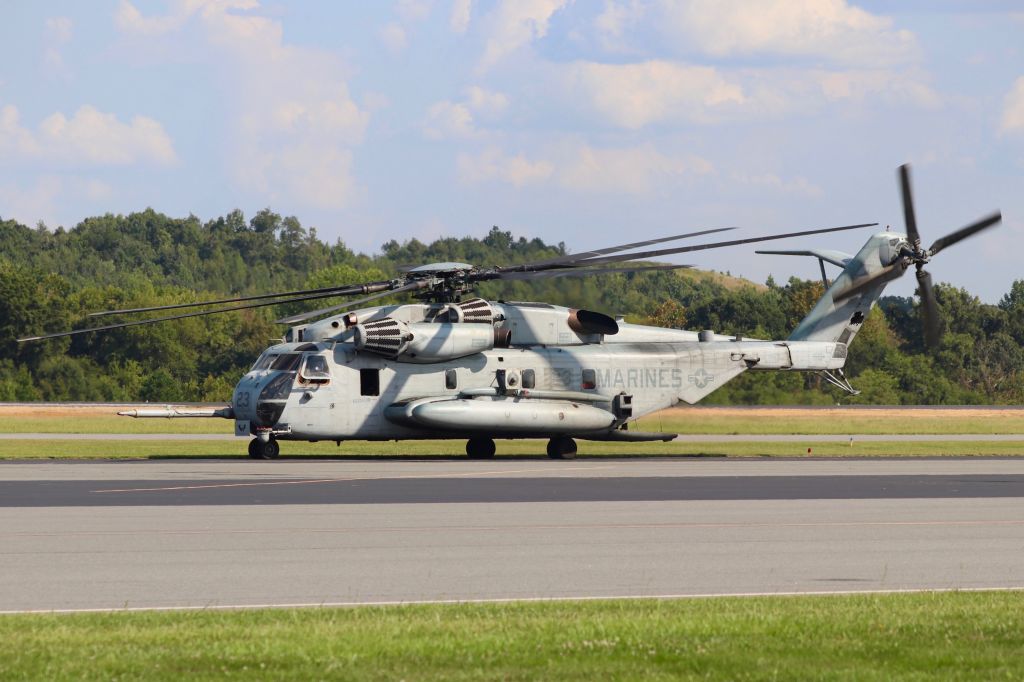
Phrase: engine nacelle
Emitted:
{"points": [[446, 341], [388, 337], [475, 310], [422, 341]]}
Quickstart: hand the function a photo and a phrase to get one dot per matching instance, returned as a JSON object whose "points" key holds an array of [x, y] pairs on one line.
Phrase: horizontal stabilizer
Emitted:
{"points": [[837, 258]]}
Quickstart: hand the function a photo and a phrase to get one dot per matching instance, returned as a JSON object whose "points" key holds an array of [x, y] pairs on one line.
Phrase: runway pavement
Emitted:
{"points": [[182, 533]]}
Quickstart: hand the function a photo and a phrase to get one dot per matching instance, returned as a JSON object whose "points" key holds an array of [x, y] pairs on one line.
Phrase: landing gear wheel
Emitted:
{"points": [[480, 448], [562, 447], [264, 450]]}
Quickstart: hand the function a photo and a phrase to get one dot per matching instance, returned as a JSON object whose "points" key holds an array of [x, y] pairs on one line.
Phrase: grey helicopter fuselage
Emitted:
{"points": [[518, 370]]}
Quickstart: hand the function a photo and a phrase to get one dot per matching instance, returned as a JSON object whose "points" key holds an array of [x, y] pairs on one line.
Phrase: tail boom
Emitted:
{"points": [[839, 321]]}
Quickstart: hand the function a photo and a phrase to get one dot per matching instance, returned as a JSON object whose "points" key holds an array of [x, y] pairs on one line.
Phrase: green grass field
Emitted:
{"points": [[138, 449], [680, 420], [853, 637], [685, 421]]}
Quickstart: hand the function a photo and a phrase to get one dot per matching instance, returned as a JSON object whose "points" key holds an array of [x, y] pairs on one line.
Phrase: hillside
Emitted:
{"points": [[49, 281]]}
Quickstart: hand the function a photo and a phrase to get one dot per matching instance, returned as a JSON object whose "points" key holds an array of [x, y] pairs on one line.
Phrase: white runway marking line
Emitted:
{"points": [[513, 600], [305, 481], [526, 527]]}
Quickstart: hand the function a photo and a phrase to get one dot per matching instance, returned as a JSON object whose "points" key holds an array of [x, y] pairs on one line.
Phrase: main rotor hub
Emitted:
{"points": [[446, 288]]}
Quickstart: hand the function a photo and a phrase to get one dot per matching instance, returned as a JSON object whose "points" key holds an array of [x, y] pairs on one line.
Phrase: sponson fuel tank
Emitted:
{"points": [[422, 341], [501, 416]]}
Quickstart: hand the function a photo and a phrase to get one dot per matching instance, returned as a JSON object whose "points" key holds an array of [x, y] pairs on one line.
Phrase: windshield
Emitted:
{"points": [[265, 361], [288, 362]]}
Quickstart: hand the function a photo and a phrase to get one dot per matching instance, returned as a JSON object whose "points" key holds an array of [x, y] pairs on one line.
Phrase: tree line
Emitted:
{"points": [[51, 279]]}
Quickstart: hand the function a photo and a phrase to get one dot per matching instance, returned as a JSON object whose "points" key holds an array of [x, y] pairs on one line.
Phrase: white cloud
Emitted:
{"points": [[1013, 109], [828, 29], [617, 16], [514, 24], [129, 19], [459, 19], [485, 101], [31, 204], [581, 167], [627, 170], [456, 119], [296, 123], [90, 137], [448, 119], [47, 198], [96, 190], [493, 164], [413, 10], [394, 38], [59, 29], [301, 172], [15, 141], [58, 33], [635, 95], [798, 186]]}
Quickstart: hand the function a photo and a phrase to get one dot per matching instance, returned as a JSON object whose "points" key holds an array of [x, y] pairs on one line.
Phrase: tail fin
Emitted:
{"points": [[840, 322]]}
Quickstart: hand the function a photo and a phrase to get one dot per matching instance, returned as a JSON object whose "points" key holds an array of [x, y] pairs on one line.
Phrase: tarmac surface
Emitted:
{"points": [[227, 533]]}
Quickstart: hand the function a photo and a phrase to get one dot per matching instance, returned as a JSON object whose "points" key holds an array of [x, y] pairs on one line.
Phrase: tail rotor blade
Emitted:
{"points": [[965, 232], [908, 206], [929, 310]]}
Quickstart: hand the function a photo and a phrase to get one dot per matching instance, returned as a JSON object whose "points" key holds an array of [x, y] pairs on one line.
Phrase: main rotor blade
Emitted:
{"points": [[965, 232], [908, 206], [701, 247], [183, 316], [549, 274], [302, 317], [886, 274], [346, 290], [929, 310], [573, 258]]}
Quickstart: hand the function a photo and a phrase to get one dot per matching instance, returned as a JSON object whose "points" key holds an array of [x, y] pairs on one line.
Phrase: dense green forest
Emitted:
{"points": [[50, 280]]}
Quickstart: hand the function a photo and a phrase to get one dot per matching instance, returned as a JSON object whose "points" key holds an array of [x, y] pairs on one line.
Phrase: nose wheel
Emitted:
{"points": [[259, 449], [480, 448], [562, 447]]}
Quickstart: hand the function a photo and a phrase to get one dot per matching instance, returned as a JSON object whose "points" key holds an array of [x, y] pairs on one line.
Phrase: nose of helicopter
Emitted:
{"points": [[261, 397], [273, 397]]}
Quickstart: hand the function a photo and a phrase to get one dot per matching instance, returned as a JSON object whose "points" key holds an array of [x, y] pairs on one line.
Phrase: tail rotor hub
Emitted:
{"points": [[912, 253]]}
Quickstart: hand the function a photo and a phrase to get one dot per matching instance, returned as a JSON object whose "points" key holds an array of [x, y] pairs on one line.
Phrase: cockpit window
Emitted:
{"points": [[265, 361], [315, 370], [288, 362]]}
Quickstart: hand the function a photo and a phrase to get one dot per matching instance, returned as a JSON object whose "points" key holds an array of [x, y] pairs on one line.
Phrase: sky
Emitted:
{"points": [[589, 122]]}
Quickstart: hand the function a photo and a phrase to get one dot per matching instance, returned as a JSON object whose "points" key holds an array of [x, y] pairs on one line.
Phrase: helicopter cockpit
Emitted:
{"points": [[271, 379]]}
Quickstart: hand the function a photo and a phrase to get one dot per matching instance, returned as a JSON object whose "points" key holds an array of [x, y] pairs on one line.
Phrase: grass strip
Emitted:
{"points": [[953, 635], [681, 420], [143, 449]]}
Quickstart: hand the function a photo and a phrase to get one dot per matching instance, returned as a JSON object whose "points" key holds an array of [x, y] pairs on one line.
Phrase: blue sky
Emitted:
{"points": [[585, 122]]}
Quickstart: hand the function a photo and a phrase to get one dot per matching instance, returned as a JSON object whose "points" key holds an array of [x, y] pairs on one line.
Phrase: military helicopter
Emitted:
{"points": [[452, 366]]}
